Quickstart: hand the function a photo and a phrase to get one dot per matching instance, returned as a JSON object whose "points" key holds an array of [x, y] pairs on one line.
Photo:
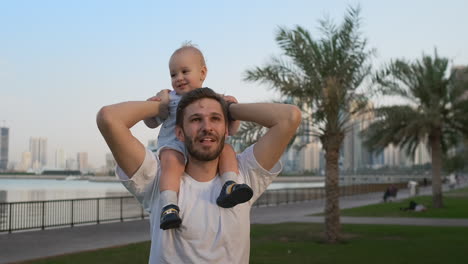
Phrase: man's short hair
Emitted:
{"points": [[195, 95]]}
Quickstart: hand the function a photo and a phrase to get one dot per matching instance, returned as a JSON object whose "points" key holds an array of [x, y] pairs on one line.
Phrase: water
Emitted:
{"points": [[19, 190]]}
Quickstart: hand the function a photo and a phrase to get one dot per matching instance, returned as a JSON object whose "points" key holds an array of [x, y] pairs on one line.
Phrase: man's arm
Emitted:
{"points": [[115, 121], [282, 121]]}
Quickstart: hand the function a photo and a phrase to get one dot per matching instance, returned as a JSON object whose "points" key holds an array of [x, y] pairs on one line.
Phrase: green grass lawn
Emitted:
{"points": [[133, 253], [455, 206], [303, 243]]}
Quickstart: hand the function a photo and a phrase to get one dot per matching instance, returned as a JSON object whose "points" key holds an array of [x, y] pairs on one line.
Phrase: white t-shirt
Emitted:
{"points": [[209, 233]]}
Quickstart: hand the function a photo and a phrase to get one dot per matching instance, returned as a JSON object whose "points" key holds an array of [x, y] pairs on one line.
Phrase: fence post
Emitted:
{"points": [[71, 213], [9, 221], [121, 209], [43, 215], [97, 210]]}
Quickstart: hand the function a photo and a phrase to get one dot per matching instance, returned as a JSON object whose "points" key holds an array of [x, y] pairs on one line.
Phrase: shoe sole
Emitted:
{"points": [[238, 196], [171, 224]]}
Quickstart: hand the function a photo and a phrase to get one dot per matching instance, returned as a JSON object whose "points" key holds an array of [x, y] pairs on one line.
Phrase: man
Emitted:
{"points": [[213, 234]]}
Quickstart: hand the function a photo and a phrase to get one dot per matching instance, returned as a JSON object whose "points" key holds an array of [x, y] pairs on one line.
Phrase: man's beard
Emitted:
{"points": [[200, 154]]}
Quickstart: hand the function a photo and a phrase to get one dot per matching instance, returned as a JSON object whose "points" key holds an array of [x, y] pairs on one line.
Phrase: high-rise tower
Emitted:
{"points": [[82, 160], [4, 138], [38, 149]]}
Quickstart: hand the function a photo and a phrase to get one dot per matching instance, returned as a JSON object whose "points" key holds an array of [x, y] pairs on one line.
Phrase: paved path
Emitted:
{"points": [[28, 245]]}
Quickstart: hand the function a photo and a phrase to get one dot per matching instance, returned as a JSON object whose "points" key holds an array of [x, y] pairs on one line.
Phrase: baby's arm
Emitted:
{"points": [[155, 121], [234, 125], [228, 159]]}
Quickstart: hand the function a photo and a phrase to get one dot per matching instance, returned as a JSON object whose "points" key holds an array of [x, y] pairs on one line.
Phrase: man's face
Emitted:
{"points": [[204, 129], [187, 72]]}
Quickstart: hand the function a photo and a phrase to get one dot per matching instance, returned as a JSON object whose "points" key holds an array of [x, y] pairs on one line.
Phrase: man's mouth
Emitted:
{"points": [[207, 140]]}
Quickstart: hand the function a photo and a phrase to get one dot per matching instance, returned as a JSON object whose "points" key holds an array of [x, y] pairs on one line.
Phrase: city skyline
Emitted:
{"points": [[308, 158], [61, 61]]}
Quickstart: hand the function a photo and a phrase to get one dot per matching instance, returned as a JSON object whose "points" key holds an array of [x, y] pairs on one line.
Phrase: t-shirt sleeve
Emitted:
{"points": [[144, 184], [254, 174]]}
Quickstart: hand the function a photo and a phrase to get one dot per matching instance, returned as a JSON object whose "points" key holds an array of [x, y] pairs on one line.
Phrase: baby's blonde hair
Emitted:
{"points": [[187, 45]]}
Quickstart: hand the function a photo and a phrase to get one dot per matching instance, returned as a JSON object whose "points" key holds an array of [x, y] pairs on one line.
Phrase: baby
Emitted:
{"points": [[188, 72]]}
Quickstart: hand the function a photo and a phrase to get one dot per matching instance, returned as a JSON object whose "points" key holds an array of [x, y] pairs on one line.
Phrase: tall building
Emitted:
{"points": [[4, 139], [310, 156], [394, 156], [461, 74], [38, 149], [60, 159], [82, 161], [70, 164], [355, 154], [422, 155], [26, 161], [300, 157], [110, 162]]}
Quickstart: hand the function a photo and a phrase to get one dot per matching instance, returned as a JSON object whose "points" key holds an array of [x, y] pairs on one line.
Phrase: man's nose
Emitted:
{"points": [[207, 125]]}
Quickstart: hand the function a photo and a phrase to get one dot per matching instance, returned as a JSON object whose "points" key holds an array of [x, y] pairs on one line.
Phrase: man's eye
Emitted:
{"points": [[196, 119]]}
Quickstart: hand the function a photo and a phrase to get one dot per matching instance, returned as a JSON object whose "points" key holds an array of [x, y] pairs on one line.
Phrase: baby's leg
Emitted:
{"points": [[172, 168], [231, 193], [228, 168]]}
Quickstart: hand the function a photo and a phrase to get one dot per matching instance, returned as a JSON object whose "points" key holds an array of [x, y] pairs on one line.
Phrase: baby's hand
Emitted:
{"points": [[233, 125], [164, 96]]}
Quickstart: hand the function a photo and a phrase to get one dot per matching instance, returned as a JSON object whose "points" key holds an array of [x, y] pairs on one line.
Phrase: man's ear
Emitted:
{"points": [[179, 134]]}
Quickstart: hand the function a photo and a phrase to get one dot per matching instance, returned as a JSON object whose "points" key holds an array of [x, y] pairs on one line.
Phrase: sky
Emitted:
{"points": [[61, 61]]}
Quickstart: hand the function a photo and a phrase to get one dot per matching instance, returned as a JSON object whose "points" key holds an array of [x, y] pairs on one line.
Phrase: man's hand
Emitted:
{"points": [[229, 98], [162, 97], [282, 121]]}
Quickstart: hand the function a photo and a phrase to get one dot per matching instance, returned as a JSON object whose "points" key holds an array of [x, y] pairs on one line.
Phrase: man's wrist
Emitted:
{"points": [[229, 116]]}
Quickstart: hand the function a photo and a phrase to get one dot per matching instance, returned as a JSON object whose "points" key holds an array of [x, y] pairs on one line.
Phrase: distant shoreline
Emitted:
{"points": [[114, 179]]}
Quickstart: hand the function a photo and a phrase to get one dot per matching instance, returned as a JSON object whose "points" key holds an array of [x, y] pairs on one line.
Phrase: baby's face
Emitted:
{"points": [[187, 72]]}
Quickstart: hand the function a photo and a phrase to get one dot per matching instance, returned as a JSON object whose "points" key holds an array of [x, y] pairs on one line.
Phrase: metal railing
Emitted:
{"points": [[15, 216]]}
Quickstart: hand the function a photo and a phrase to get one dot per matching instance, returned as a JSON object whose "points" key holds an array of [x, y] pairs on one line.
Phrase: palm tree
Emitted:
{"points": [[436, 111], [321, 77]]}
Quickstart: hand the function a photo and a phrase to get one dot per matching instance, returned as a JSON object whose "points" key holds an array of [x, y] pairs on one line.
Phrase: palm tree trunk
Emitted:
{"points": [[436, 152], [332, 207]]}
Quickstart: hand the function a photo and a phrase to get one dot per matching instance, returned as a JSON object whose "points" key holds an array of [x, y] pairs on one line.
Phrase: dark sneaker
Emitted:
{"points": [[170, 217], [233, 194]]}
